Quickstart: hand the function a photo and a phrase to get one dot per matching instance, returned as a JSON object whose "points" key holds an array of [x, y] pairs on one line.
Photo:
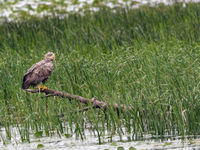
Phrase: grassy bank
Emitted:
{"points": [[147, 58]]}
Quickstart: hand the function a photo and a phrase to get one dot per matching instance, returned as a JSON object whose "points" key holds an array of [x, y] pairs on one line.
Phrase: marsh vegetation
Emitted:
{"points": [[147, 58]]}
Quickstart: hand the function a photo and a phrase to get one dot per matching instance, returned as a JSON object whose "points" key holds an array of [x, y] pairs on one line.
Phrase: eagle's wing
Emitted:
{"points": [[44, 71], [33, 67], [37, 73]]}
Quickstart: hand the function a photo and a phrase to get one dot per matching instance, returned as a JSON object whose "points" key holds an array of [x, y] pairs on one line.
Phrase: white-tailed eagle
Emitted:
{"points": [[39, 72]]}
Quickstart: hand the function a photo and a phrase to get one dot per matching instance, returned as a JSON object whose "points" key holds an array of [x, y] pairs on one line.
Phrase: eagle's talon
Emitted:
{"points": [[44, 88]]}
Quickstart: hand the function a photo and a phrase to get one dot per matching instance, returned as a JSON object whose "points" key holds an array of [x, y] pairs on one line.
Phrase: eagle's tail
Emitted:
{"points": [[25, 85]]}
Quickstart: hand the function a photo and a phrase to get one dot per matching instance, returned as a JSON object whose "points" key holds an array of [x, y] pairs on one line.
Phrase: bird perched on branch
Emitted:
{"points": [[39, 72]]}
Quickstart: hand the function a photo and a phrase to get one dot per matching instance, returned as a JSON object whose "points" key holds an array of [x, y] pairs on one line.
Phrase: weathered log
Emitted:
{"points": [[94, 101]]}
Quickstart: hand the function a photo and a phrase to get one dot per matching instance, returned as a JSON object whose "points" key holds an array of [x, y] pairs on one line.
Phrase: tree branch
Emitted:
{"points": [[94, 101]]}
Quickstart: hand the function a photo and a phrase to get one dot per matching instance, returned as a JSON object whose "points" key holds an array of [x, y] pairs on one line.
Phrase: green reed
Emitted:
{"points": [[147, 58]]}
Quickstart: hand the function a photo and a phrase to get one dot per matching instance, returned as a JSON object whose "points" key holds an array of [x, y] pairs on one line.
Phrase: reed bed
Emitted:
{"points": [[147, 58]]}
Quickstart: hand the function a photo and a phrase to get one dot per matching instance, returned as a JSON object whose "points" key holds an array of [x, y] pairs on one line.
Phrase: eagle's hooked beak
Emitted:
{"points": [[53, 56]]}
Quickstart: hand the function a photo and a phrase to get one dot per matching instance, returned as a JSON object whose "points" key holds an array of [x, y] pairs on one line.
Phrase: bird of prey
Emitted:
{"points": [[39, 72]]}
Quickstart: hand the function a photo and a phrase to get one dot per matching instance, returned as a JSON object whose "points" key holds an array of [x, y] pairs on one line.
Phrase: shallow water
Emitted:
{"points": [[14, 9], [91, 142]]}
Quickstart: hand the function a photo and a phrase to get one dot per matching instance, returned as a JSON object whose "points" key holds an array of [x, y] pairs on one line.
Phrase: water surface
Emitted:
{"points": [[91, 142]]}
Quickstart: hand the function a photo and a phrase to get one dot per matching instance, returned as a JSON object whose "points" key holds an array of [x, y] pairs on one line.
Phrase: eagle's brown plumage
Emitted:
{"points": [[39, 72]]}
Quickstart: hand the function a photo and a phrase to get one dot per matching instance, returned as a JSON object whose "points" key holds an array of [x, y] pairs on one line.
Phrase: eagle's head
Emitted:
{"points": [[49, 56]]}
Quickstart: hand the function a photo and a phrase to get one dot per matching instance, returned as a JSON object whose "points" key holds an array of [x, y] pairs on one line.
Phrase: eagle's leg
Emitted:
{"points": [[42, 88], [39, 87], [43, 82]]}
